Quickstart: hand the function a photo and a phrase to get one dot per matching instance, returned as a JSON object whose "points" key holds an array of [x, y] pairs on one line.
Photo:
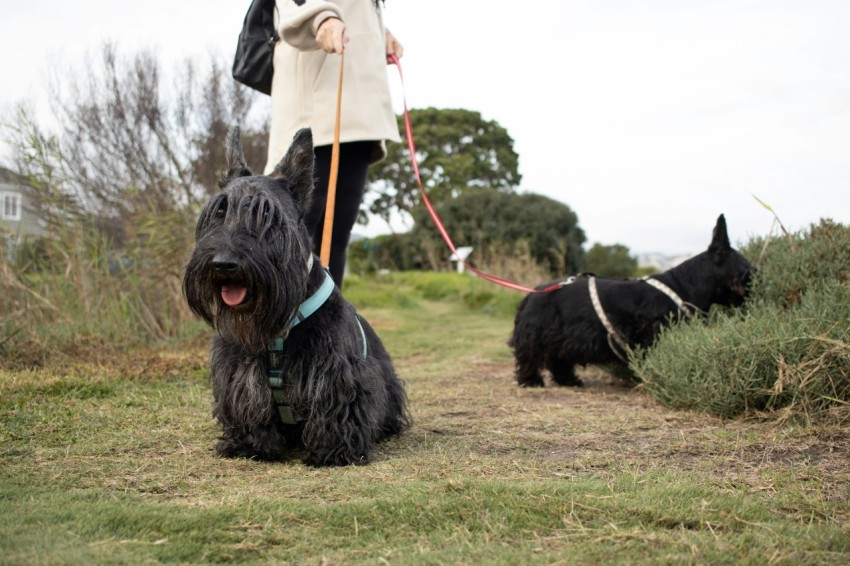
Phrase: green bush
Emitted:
{"points": [[397, 252], [788, 352], [513, 235], [499, 225], [787, 267], [610, 261]]}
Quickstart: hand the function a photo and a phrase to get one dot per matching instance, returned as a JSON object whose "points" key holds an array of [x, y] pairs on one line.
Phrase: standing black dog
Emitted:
{"points": [[292, 364], [597, 320]]}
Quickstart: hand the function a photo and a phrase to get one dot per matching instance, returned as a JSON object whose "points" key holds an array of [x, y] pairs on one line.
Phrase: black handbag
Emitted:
{"points": [[253, 63]]}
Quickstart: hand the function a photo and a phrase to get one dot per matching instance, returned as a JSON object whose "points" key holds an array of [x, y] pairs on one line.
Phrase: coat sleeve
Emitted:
{"points": [[299, 20]]}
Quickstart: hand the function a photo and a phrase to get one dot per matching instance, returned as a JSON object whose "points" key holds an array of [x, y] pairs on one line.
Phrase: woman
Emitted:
{"points": [[304, 93]]}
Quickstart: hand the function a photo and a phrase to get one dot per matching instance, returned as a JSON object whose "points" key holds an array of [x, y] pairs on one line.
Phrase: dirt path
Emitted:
{"points": [[608, 425]]}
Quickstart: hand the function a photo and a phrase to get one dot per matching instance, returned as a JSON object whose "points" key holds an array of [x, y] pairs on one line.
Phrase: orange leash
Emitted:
{"points": [[327, 230]]}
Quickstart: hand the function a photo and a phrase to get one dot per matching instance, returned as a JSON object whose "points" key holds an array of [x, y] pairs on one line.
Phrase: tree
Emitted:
{"points": [[498, 224], [610, 261], [125, 145], [456, 149]]}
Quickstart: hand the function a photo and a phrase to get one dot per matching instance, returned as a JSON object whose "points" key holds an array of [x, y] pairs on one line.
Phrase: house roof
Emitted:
{"points": [[9, 176]]}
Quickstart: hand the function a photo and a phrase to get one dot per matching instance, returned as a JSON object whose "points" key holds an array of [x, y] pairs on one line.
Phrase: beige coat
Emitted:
{"points": [[304, 87]]}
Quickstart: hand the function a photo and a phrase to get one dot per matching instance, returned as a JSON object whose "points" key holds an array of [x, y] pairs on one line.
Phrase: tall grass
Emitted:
{"points": [[74, 293]]}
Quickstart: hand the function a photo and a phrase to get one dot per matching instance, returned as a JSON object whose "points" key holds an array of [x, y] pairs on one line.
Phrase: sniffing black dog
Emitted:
{"points": [[293, 366], [597, 320]]}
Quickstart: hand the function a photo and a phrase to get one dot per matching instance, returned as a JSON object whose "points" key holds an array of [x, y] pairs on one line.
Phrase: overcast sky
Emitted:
{"points": [[647, 117]]}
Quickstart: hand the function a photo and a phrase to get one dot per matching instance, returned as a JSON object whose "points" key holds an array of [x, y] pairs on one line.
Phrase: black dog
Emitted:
{"points": [[292, 364], [598, 320]]}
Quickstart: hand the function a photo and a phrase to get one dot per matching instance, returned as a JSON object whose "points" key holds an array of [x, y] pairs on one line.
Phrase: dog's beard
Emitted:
{"points": [[272, 297], [241, 392], [242, 328]]}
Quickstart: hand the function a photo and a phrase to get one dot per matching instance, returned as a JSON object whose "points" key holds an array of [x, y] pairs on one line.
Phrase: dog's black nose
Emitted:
{"points": [[225, 264]]}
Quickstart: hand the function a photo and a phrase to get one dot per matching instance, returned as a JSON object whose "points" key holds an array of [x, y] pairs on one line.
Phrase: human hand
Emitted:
{"points": [[393, 47], [332, 36]]}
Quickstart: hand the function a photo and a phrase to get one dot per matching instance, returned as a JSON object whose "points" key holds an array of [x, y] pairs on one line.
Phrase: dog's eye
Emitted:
{"points": [[221, 210], [263, 213]]}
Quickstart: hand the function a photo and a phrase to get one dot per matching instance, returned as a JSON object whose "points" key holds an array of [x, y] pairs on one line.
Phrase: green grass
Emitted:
{"points": [[424, 523], [402, 289], [111, 462]]}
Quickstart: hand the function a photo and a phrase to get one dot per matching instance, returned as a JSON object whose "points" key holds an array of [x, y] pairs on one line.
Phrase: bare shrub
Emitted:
{"points": [[119, 170]]}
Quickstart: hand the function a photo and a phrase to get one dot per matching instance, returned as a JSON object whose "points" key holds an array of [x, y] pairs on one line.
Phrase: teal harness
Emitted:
{"points": [[287, 413]]}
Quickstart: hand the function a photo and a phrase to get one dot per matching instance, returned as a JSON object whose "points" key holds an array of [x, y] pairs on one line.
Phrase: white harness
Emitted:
{"points": [[614, 337]]}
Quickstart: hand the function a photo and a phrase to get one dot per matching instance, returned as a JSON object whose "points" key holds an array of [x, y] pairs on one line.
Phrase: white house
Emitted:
{"points": [[19, 218]]}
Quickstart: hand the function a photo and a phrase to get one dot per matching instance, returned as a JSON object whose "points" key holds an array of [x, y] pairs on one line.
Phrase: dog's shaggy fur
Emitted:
{"points": [[251, 270], [560, 329]]}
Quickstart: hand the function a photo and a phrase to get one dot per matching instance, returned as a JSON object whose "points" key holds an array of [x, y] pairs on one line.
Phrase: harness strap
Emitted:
{"points": [[287, 412], [313, 303], [284, 409], [670, 293], [613, 335]]}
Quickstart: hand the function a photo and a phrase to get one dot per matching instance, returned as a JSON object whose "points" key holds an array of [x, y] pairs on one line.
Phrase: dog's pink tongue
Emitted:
{"points": [[233, 295]]}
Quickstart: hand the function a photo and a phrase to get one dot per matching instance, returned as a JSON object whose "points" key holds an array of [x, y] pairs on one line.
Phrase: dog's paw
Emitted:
{"points": [[228, 448]]}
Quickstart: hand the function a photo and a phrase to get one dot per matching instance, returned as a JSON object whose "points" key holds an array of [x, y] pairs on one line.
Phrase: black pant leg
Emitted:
{"points": [[351, 185]]}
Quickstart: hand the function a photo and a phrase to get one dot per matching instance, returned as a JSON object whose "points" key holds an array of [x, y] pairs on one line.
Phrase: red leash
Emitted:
{"points": [[436, 218]]}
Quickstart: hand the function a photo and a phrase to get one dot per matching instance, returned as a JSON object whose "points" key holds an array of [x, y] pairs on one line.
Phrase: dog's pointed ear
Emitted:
{"points": [[296, 168], [720, 239], [236, 164]]}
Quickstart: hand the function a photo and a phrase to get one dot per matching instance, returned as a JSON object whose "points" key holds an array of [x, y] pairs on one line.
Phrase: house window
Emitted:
{"points": [[11, 206]]}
